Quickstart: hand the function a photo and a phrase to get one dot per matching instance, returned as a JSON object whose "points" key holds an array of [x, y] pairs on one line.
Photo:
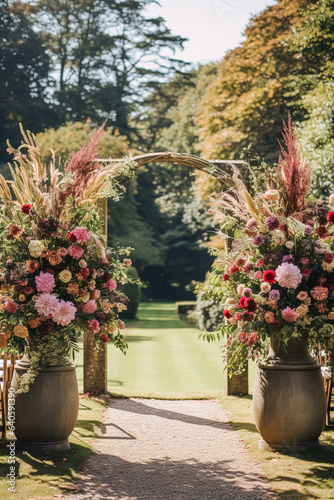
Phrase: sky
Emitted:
{"points": [[212, 26]]}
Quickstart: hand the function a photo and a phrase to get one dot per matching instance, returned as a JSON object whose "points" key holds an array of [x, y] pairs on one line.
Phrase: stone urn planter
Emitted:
{"points": [[46, 415], [289, 399]]}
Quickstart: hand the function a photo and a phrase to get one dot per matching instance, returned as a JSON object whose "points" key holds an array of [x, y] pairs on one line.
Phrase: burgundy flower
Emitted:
{"points": [[272, 223], [225, 277], [306, 272], [249, 267], [322, 231], [328, 257], [250, 305], [227, 314], [258, 240], [47, 326], [240, 262], [248, 316]]}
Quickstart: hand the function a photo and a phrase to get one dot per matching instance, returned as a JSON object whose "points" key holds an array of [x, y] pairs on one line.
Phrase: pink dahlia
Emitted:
{"points": [[11, 306], [45, 282], [258, 275], [94, 326], [65, 313], [81, 235], [89, 307], [289, 315], [76, 252], [288, 275], [46, 304], [110, 284], [319, 293]]}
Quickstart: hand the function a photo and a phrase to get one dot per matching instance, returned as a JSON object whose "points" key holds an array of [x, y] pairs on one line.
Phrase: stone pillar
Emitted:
{"points": [[95, 359], [237, 384]]}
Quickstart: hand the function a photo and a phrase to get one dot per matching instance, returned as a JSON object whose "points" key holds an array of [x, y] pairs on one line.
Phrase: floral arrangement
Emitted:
{"points": [[276, 277], [57, 277]]}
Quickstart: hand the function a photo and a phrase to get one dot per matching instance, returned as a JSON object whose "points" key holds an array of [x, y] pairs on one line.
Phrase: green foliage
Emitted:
{"points": [[133, 292], [210, 317]]}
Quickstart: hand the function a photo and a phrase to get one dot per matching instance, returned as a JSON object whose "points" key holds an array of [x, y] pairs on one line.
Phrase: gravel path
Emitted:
{"points": [[169, 450]]}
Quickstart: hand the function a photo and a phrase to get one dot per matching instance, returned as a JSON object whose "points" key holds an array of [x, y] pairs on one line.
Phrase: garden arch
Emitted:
{"points": [[95, 361]]}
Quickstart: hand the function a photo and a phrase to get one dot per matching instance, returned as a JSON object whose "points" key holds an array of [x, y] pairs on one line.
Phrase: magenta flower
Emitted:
{"points": [[11, 306], [94, 326], [65, 313], [46, 304], [289, 258], [289, 315], [89, 307], [45, 282], [76, 251], [81, 234], [110, 284]]}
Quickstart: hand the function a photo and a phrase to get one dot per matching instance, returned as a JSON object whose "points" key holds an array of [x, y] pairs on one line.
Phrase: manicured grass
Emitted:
{"points": [[165, 358], [49, 475], [299, 477]]}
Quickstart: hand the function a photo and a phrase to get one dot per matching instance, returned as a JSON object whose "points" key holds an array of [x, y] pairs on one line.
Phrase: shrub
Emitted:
{"points": [[209, 314]]}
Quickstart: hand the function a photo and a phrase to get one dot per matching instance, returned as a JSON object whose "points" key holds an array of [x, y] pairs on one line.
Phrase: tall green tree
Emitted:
{"points": [[106, 55], [24, 74]]}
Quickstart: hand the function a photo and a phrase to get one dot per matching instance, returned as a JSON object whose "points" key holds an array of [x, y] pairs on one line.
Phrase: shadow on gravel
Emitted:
{"points": [[165, 479], [145, 409]]}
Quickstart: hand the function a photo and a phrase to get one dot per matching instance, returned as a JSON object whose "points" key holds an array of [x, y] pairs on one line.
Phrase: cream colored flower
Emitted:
{"points": [[331, 199], [36, 248], [21, 331], [65, 276], [105, 306], [240, 289], [331, 315], [111, 328], [278, 237], [82, 263], [307, 301], [302, 310], [265, 287], [327, 267], [289, 245], [269, 317], [271, 195]]}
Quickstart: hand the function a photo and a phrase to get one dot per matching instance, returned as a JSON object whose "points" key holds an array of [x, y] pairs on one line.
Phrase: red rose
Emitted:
{"points": [[242, 302], [269, 276], [225, 277], [250, 305], [50, 271], [227, 313], [306, 272], [329, 286], [248, 316], [72, 237], [26, 208], [330, 216]]}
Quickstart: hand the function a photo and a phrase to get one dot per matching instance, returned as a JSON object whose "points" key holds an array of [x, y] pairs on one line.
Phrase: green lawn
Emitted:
{"points": [[165, 358]]}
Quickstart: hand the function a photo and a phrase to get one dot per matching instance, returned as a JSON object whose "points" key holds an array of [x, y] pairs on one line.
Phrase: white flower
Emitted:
{"points": [[278, 237], [289, 244], [36, 247], [288, 275], [240, 289]]}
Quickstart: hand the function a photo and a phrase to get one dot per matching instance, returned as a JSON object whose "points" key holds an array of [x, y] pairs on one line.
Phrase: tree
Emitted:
{"points": [[247, 101], [313, 90], [24, 71], [105, 55]]}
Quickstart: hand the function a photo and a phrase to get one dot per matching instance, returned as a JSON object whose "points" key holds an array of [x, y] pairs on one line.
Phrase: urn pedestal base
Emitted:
{"points": [[46, 415], [289, 399]]}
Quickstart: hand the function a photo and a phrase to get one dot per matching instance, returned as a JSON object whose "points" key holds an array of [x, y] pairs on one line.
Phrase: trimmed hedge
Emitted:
{"points": [[133, 292]]}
